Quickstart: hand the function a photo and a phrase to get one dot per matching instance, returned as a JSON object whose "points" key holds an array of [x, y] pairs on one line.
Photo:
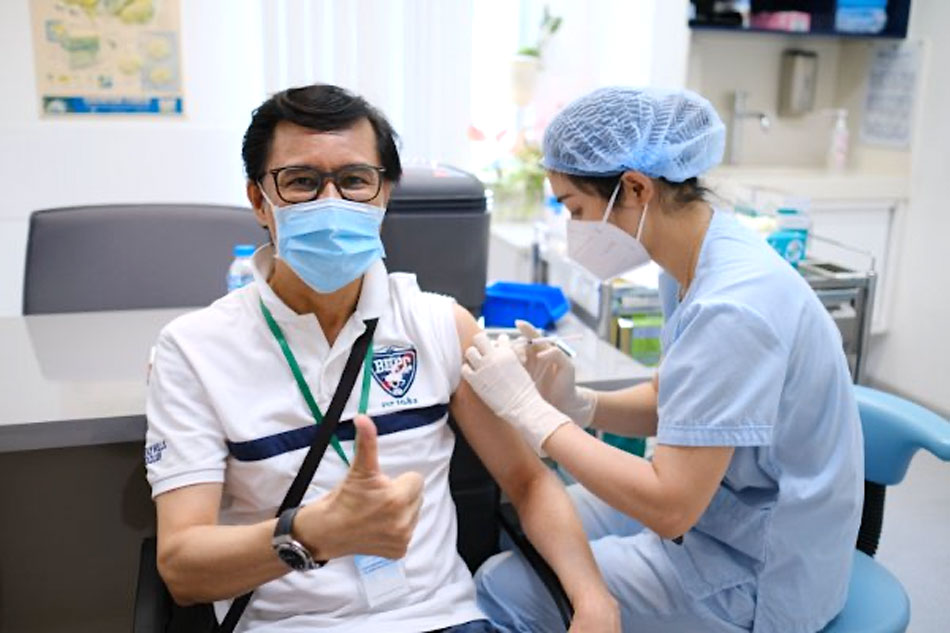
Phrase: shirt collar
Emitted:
{"points": [[374, 295]]}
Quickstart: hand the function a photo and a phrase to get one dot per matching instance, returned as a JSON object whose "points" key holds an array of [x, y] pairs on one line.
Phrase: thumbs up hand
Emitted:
{"points": [[367, 513]]}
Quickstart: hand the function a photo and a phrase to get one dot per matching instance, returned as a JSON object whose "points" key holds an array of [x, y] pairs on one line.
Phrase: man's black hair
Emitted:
{"points": [[320, 107]]}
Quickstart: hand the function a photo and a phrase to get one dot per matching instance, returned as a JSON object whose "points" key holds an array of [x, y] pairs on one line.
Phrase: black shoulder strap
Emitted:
{"points": [[317, 448]]}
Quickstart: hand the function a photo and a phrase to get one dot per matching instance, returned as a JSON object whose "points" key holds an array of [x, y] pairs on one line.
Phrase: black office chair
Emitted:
{"points": [[132, 256], [480, 515]]}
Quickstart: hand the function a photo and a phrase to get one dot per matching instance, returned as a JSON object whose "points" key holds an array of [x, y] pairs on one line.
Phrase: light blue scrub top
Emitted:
{"points": [[751, 359]]}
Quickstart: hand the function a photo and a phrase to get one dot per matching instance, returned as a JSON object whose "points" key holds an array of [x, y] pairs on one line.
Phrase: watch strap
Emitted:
{"points": [[283, 536], [285, 522]]}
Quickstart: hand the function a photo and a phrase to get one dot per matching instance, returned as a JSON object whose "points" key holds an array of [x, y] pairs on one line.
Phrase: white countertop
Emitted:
{"points": [[599, 364], [75, 379], [817, 184], [79, 379]]}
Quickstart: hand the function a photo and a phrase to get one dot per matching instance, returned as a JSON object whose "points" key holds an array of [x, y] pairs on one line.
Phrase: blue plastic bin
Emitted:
{"points": [[538, 304]]}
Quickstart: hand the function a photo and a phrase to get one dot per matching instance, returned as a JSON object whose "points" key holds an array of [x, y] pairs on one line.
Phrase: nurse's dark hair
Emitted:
{"points": [[672, 194], [320, 107]]}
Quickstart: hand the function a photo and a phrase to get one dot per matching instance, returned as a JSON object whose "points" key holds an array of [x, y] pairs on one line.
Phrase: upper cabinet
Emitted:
{"points": [[846, 18]]}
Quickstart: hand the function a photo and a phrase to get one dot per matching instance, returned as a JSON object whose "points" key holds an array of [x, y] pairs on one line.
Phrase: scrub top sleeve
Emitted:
{"points": [[721, 379], [185, 442]]}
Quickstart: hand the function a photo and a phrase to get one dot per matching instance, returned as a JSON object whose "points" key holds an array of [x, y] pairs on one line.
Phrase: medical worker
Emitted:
{"points": [[746, 516]]}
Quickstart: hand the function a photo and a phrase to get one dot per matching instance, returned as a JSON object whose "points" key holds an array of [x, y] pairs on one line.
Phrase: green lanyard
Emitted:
{"points": [[305, 389]]}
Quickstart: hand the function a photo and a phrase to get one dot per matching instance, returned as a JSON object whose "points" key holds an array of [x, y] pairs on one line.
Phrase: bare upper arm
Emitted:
{"points": [[498, 444], [186, 507], [690, 476]]}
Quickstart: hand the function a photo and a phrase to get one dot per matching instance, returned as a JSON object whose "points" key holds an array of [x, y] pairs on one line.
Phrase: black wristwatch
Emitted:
{"points": [[290, 550]]}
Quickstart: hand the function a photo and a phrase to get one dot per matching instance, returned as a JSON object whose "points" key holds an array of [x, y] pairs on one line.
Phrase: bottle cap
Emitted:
{"points": [[244, 250]]}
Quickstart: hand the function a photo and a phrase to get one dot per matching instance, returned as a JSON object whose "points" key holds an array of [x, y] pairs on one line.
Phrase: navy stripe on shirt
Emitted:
{"points": [[280, 443]]}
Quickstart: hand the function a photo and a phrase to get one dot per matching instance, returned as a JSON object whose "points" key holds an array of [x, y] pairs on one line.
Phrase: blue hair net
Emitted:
{"points": [[671, 134]]}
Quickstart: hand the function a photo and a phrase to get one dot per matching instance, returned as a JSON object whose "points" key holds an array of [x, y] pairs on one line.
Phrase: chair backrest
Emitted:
{"points": [[476, 499], [436, 226], [133, 256], [894, 429]]}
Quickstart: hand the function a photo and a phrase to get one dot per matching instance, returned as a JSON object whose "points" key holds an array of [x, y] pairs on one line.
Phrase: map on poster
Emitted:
{"points": [[107, 56]]}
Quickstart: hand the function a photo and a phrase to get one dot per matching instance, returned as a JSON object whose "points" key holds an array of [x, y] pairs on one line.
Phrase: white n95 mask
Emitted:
{"points": [[603, 248]]}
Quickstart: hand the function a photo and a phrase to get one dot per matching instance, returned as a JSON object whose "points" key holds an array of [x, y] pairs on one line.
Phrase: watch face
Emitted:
{"points": [[295, 556], [290, 556]]}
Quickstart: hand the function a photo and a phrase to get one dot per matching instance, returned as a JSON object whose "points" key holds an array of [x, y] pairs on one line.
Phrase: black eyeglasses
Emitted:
{"points": [[357, 183]]}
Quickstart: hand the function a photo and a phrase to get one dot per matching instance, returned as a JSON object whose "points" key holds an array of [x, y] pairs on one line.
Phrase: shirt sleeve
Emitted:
{"points": [[721, 379], [442, 311], [185, 442]]}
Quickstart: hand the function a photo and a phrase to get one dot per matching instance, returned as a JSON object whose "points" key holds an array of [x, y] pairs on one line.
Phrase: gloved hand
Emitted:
{"points": [[497, 376], [553, 375]]}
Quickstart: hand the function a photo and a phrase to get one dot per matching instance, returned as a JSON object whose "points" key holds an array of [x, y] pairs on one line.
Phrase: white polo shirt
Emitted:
{"points": [[223, 407]]}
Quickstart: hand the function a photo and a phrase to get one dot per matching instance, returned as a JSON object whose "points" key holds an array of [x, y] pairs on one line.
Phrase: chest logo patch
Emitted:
{"points": [[394, 369]]}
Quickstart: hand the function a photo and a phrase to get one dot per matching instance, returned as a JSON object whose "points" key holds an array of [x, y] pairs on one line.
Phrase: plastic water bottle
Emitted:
{"points": [[240, 273]]}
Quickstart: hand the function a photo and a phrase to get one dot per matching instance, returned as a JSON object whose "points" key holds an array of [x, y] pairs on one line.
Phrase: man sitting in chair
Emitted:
{"points": [[229, 421]]}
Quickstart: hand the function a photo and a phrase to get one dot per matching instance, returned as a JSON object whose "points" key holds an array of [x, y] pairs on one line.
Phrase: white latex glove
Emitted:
{"points": [[497, 376], [553, 375]]}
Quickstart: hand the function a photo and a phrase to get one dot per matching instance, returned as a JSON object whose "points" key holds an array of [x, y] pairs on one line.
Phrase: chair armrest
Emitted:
{"points": [[512, 526], [156, 611], [152, 601]]}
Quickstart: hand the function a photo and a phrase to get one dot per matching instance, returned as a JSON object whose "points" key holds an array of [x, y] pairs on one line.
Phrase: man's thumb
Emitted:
{"points": [[367, 456]]}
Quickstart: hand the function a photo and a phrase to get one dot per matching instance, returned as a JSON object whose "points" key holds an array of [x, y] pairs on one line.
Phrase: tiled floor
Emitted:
{"points": [[915, 541]]}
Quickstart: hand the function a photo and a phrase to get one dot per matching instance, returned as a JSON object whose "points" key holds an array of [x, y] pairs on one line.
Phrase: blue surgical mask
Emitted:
{"points": [[328, 242]]}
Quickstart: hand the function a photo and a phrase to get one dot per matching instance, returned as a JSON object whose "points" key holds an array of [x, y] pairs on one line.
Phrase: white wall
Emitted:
{"points": [[603, 43], [914, 357], [721, 63], [671, 44], [49, 163], [409, 58], [853, 64]]}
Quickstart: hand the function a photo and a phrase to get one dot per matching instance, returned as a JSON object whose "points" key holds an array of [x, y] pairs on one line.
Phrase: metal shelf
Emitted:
{"points": [[847, 294], [718, 28]]}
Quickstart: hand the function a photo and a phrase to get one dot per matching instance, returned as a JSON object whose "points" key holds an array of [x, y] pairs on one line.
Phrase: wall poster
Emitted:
{"points": [[106, 57], [891, 95]]}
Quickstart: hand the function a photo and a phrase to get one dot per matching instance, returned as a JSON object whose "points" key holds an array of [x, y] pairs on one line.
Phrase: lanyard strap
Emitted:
{"points": [[321, 439], [305, 388]]}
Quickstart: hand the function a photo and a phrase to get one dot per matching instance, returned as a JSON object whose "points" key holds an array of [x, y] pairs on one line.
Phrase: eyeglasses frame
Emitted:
{"points": [[324, 177]]}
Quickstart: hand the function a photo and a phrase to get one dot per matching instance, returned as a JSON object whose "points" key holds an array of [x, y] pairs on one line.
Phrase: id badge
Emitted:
{"points": [[383, 579]]}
